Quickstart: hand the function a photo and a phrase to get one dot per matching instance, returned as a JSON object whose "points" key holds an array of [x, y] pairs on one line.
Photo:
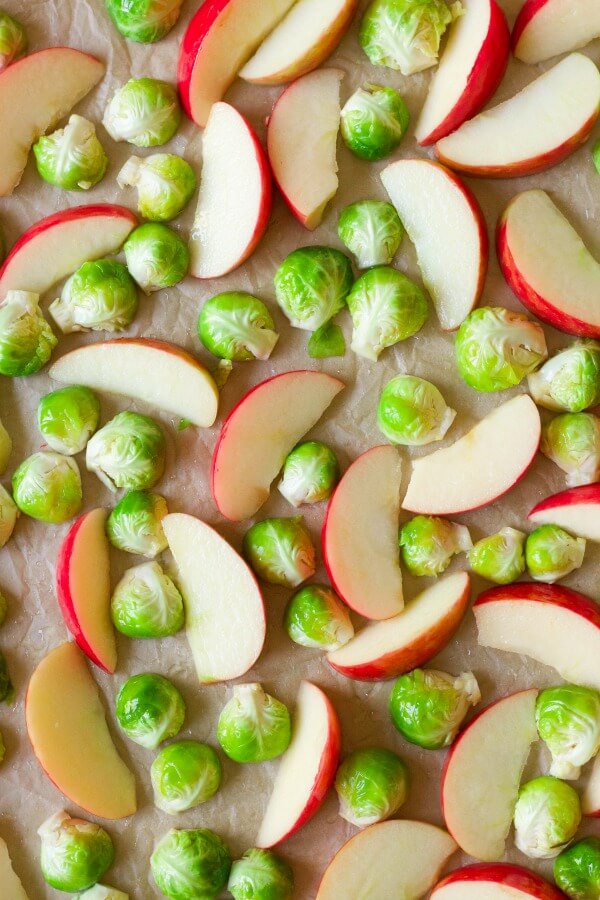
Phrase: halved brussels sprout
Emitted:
{"points": [[568, 721], [253, 726], [191, 865], [428, 707], [102, 892], [75, 854], [6, 688], [577, 870], [372, 231], [144, 112], [371, 785], [146, 604], [26, 339], [128, 452], [13, 40], [500, 557], [327, 341], [280, 551], [156, 257], [310, 473], [134, 525], [570, 380], [100, 296], [412, 411], [315, 617], [547, 816], [8, 515], [428, 544], [165, 184], [374, 121], [72, 157], [551, 553], [572, 441], [47, 486], [144, 21], [149, 709], [68, 417], [5, 448], [185, 774], [237, 326], [311, 285], [261, 875]]}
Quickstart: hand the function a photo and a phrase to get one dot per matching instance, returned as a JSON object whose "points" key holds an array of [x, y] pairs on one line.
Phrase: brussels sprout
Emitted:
{"points": [[496, 348], [372, 231], [165, 184], [570, 380], [310, 473], [386, 307], [371, 786], [68, 417], [72, 157], [237, 326], [128, 452], [100, 296], [499, 557], [146, 603], [547, 816], [596, 156], [102, 892], [412, 411], [6, 688], [135, 524], [47, 486], [144, 112], [8, 515], [191, 865], [316, 618], [13, 40], [327, 341], [577, 870], [311, 285], [568, 721], [374, 121], [75, 854], [144, 21], [3, 608], [149, 710], [261, 875], [280, 551], [428, 544], [5, 448], [26, 339], [428, 707], [572, 441], [253, 726], [185, 774], [551, 553], [156, 257]]}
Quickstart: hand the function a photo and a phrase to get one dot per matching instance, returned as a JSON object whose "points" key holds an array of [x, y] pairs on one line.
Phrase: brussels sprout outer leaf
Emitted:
{"points": [[327, 341], [577, 870]]}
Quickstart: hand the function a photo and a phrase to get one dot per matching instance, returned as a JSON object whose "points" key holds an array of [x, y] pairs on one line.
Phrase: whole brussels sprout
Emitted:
{"points": [[191, 865], [547, 816], [371, 786], [149, 710], [6, 688], [261, 875], [146, 603], [156, 257], [253, 726], [310, 473], [100, 296], [185, 774], [428, 544], [8, 515], [374, 121], [372, 231], [311, 285], [26, 339], [326, 341], [47, 486], [316, 618], [144, 112], [237, 326], [569, 381], [144, 21], [428, 707], [68, 417], [128, 452], [165, 184], [13, 40], [102, 892], [72, 157], [496, 348], [280, 551], [135, 524], [577, 870], [75, 854], [572, 441], [568, 721], [551, 553], [5, 448], [412, 411], [500, 557], [386, 307]]}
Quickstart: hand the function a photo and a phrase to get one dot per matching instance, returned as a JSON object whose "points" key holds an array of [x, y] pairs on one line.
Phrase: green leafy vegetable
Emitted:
{"points": [[500, 557], [75, 854], [371, 786], [596, 156], [128, 452], [100, 296], [326, 341], [551, 553], [13, 40], [5, 448], [428, 707], [26, 339], [191, 865], [253, 726], [68, 417], [261, 875], [280, 551], [237, 326], [316, 618], [156, 257], [569, 381], [165, 184], [547, 816], [372, 231], [413, 412], [374, 121], [47, 486], [310, 473], [572, 441], [428, 544], [144, 21], [149, 710], [185, 774], [134, 525], [311, 285], [146, 603], [144, 112], [577, 870], [568, 721], [72, 157]]}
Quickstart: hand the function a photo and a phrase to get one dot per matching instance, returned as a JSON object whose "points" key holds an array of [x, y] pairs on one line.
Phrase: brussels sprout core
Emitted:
{"points": [[47, 486], [185, 774], [568, 721], [310, 473], [128, 452], [281, 551], [547, 816], [146, 603], [261, 875], [135, 524], [8, 515], [68, 417], [371, 786], [316, 618], [237, 326], [374, 121], [572, 441], [149, 710], [13, 40], [570, 381], [429, 543], [144, 21], [72, 157], [5, 448], [311, 286], [551, 553], [428, 707], [253, 726], [191, 865], [100, 296], [75, 854], [144, 112], [165, 184], [156, 257], [500, 557], [413, 412], [26, 339], [577, 870], [372, 231]]}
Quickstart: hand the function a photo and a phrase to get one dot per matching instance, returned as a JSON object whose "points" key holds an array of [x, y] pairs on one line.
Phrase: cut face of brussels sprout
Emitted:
{"points": [[5, 448], [253, 726], [327, 341], [371, 786], [568, 721], [144, 21], [310, 473], [500, 557], [75, 854], [8, 515], [100, 296], [547, 816], [134, 525], [280, 551], [572, 441], [374, 121], [47, 486], [26, 339], [311, 285], [372, 231], [315, 617], [6, 688], [261, 875], [144, 112], [146, 603], [237, 326], [577, 870], [149, 710], [13, 40], [570, 381], [413, 412], [165, 184], [68, 417], [72, 157], [188, 865], [156, 257], [428, 707], [184, 775], [551, 553], [428, 544], [128, 452]]}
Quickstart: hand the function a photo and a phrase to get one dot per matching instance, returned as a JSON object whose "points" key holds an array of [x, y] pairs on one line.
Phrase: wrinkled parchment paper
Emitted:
{"points": [[35, 625]]}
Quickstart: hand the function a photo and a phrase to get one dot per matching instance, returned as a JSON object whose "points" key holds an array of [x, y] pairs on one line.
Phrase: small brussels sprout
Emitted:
{"points": [[237, 326], [374, 121], [102, 892], [500, 557], [68, 417], [13, 40], [5, 448], [568, 721], [47, 486], [428, 707], [372, 231], [547, 816], [72, 157], [326, 341], [26, 339], [6, 688], [577, 870], [128, 452], [146, 603], [280, 551], [551, 553], [371, 786], [316, 618], [156, 257], [185, 774], [261, 875], [496, 348], [569, 381], [144, 21], [8, 516], [149, 710], [135, 524], [253, 726], [311, 285], [75, 854], [100, 296], [3, 609], [386, 307], [310, 473], [412, 411], [572, 442], [428, 544], [191, 865], [165, 184], [144, 112]]}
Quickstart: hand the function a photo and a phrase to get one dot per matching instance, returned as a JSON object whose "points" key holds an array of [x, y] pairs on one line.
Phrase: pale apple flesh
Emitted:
{"points": [[590, 800], [545, 28], [12, 888], [577, 510], [495, 881]]}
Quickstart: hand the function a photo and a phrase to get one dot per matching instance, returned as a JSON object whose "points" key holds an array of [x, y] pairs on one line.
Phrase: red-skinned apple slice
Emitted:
{"points": [[398, 645], [83, 588], [471, 68], [307, 768], [481, 466], [533, 619], [482, 774], [590, 800], [68, 732], [234, 205], [453, 261], [259, 433], [401, 857], [498, 881], [577, 510], [10, 881], [534, 130], [545, 28]]}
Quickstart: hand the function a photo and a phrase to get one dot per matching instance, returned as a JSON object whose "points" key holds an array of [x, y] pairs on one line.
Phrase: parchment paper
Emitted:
{"points": [[35, 625]]}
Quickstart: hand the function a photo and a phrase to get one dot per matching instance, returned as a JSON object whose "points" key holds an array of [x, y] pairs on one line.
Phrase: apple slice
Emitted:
{"points": [[498, 881], [481, 466], [577, 510], [57, 245], [83, 588], [552, 624], [234, 205], [453, 261], [548, 266], [482, 774], [534, 130], [301, 141], [590, 800], [225, 613], [67, 729], [545, 28], [470, 69], [301, 42], [12, 889], [259, 433], [307, 768], [161, 374], [388, 649], [404, 857]]}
